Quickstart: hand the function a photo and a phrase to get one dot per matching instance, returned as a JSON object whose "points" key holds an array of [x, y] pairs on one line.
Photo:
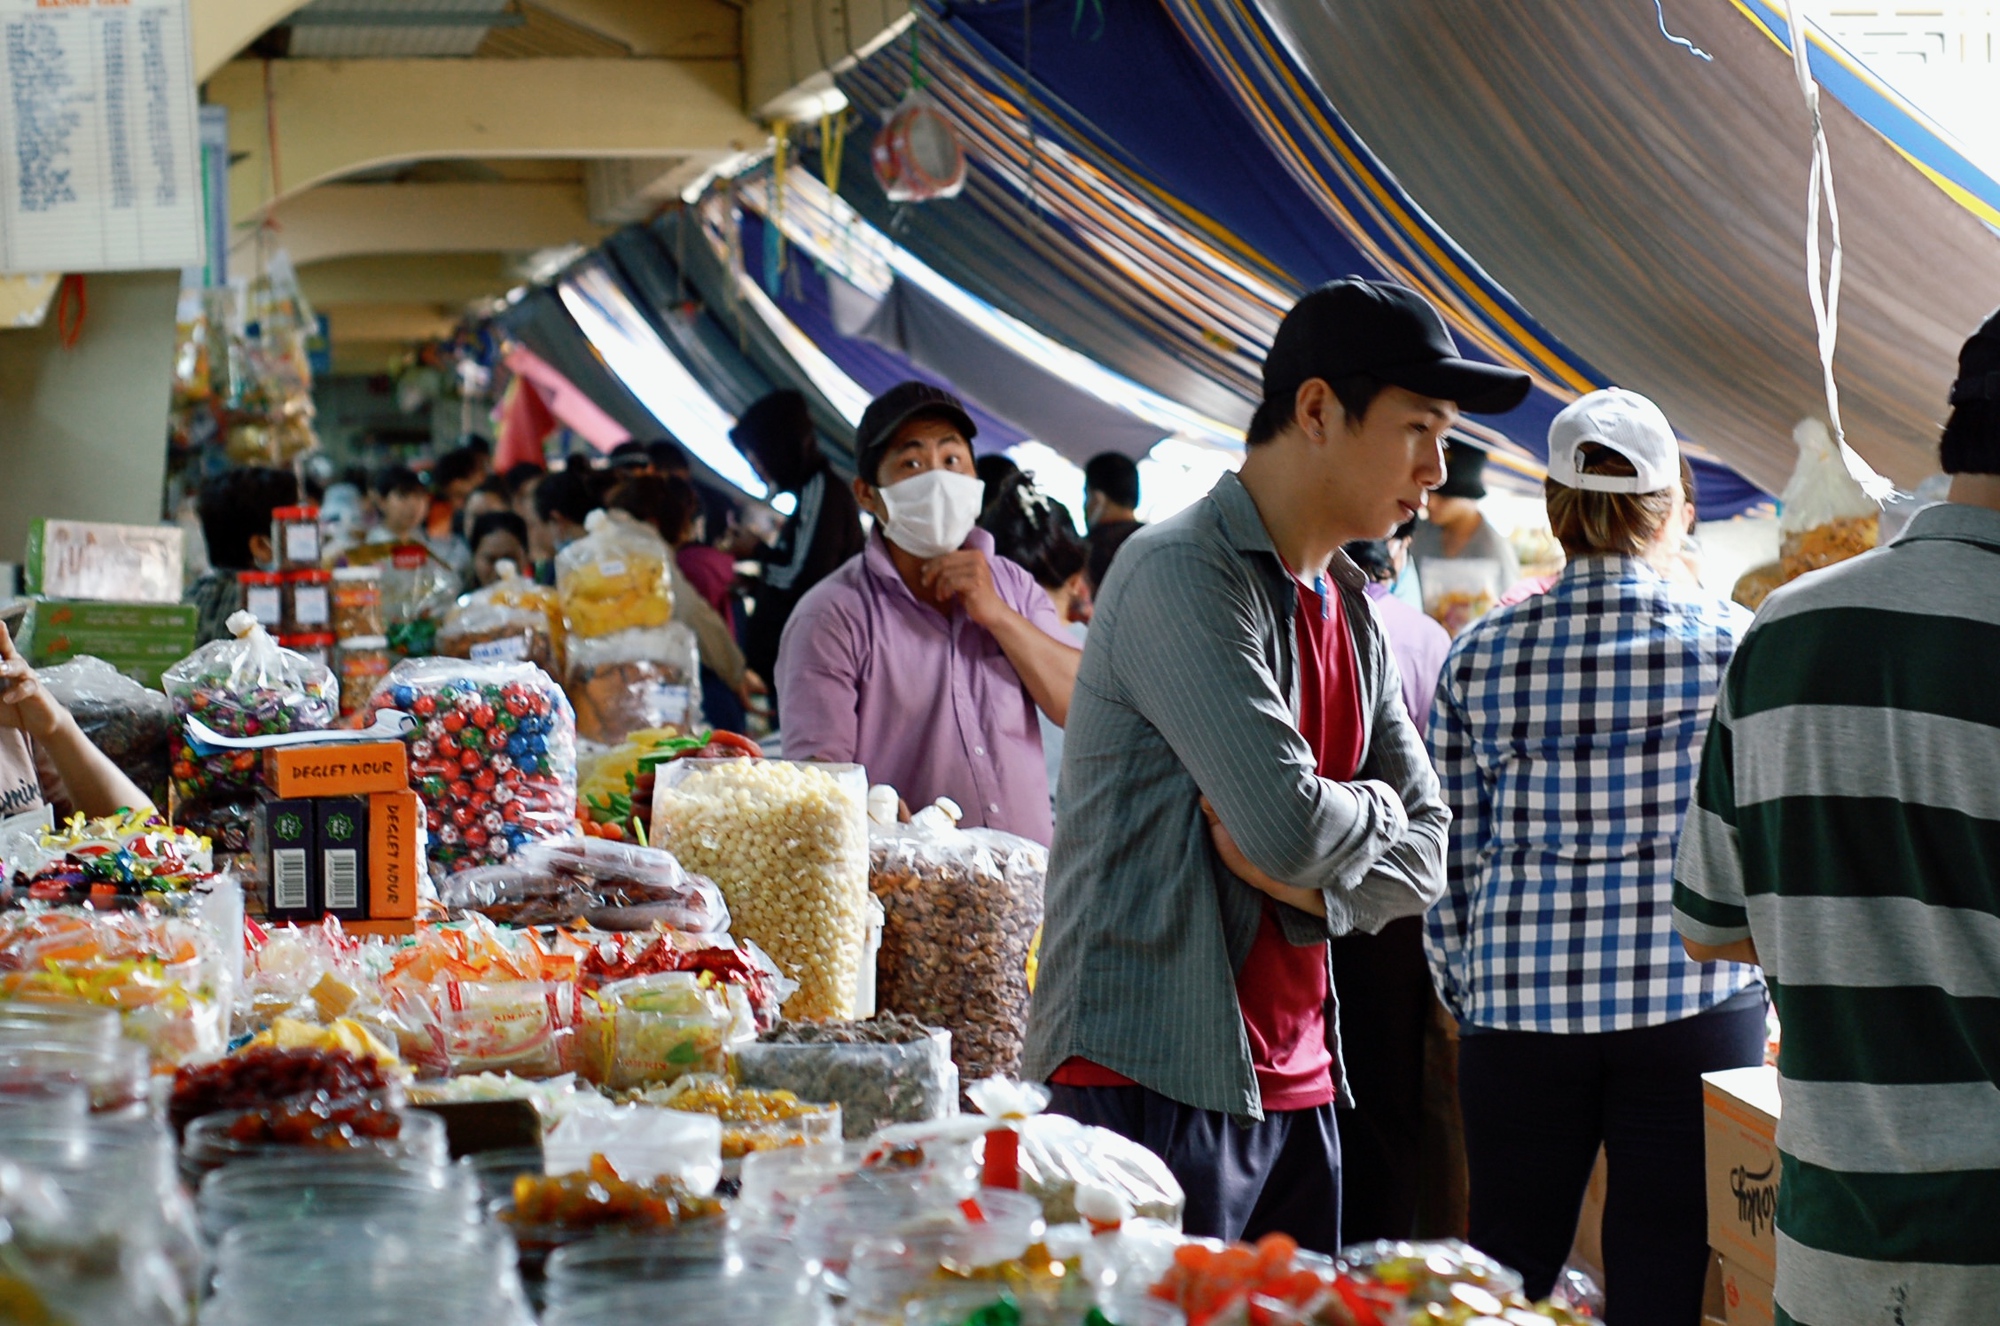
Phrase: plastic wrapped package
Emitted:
{"points": [[1831, 506], [527, 1028], [635, 680], [655, 1029], [614, 579], [788, 845], [417, 591], [1458, 591], [614, 886], [960, 912], [511, 620], [753, 1118], [129, 723], [242, 687], [645, 1144], [493, 755], [875, 1082]]}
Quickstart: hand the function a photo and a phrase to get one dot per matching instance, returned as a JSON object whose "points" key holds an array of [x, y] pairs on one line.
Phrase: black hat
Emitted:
{"points": [[777, 431], [1385, 331], [630, 456], [894, 408], [1464, 471]]}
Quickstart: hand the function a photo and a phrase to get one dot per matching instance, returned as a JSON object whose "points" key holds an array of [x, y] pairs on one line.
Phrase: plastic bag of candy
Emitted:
{"points": [[493, 755], [636, 680], [614, 578], [132, 725], [527, 1028], [653, 1029], [248, 686], [512, 620], [614, 886]]}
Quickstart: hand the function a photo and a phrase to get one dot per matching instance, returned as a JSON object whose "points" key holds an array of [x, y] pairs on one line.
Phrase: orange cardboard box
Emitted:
{"points": [[1741, 1107], [1747, 1300], [337, 769], [395, 831]]}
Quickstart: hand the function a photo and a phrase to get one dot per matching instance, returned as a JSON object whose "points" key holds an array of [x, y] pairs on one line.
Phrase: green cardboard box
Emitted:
{"points": [[141, 640]]}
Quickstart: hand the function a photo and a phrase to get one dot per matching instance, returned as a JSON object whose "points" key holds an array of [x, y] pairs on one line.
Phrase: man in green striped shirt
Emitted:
{"points": [[1846, 834]]}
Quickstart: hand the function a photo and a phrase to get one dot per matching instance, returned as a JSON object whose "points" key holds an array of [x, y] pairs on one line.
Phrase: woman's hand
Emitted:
{"points": [[24, 702], [1311, 901]]}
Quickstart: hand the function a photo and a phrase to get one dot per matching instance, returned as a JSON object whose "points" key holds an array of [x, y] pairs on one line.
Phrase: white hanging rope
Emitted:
{"points": [[1826, 301]]}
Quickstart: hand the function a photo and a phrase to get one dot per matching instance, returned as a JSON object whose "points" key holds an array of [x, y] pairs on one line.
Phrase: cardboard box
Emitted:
{"points": [[284, 852], [337, 769], [139, 639], [342, 845], [385, 929], [1746, 1300], [87, 560], [395, 854], [1740, 1106]]}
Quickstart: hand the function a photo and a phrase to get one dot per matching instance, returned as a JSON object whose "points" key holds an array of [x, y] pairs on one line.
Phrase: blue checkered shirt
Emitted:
{"points": [[1567, 731]]}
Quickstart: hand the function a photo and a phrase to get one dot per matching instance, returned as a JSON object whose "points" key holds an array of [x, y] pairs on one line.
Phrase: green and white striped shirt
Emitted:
{"points": [[1848, 820]]}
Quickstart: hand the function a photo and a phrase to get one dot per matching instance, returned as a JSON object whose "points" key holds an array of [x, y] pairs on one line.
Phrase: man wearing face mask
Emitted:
{"points": [[926, 657]]}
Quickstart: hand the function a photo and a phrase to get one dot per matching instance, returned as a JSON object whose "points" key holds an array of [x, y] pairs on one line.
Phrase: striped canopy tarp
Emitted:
{"points": [[1649, 206], [1167, 208]]}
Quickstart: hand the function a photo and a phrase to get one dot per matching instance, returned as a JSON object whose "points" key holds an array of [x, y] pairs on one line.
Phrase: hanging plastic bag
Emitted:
{"points": [[248, 686], [1832, 504], [512, 620], [917, 155]]}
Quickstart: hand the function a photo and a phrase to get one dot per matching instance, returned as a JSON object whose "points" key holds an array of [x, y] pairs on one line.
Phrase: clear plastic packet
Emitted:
{"points": [[493, 755], [643, 1143], [875, 1083], [129, 723], [783, 840], [512, 620], [527, 1028], [655, 1029], [248, 686], [614, 578], [1049, 1156], [960, 912], [635, 680], [1831, 506], [1458, 591], [418, 589], [754, 1119], [1396, 1276]]}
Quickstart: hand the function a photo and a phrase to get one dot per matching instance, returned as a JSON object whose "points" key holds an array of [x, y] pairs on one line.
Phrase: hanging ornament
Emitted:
{"points": [[917, 155]]}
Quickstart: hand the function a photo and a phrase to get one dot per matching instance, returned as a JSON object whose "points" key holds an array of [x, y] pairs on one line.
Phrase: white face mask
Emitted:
{"points": [[931, 513]]}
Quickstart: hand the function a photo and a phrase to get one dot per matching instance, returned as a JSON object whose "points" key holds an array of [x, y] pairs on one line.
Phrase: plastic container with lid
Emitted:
{"points": [[114, 1074], [263, 597], [359, 663], [308, 602], [316, 646], [356, 599], [295, 540], [261, 1191], [23, 1020], [208, 1146]]}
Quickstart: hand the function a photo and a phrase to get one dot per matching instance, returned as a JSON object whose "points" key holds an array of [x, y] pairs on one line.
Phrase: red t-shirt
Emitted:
{"points": [[1282, 988]]}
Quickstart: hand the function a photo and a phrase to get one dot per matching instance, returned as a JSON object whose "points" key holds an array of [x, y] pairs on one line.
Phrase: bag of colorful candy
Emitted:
{"points": [[493, 755], [129, 723], [247, 686], [121, 861]]}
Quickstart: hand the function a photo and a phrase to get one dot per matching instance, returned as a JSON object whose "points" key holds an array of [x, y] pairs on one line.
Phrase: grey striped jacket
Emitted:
{"points": [[1189, 687]]}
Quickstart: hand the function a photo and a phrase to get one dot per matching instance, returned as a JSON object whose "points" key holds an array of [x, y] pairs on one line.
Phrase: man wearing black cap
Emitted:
{"points": [[776, 436], [927, 657], [1846, 834], [1241, 782], [1453, 527]]}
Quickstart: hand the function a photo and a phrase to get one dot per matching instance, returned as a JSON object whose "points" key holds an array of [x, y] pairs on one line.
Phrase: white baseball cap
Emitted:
{"points": [[1628, 424]]}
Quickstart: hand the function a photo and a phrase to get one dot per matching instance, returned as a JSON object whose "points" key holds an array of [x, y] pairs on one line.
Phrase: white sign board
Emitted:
{"points": [[100, 160]]}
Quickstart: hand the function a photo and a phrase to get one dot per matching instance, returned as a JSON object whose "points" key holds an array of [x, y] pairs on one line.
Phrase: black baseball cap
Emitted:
{"points": [[894, 408], [1389, 332]]}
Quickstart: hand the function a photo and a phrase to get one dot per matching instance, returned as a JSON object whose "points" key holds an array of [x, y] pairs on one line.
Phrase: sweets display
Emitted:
{"points": [[493, 755], [960, 913], [787, 843], [614, 578], [598, 1196], [243, 687], [613, 886], [655, 1029], [259, 1076], [357, 601], [753, 1118], [635, 680]]}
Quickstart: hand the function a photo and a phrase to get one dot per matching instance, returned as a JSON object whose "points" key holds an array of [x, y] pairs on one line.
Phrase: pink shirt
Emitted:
{"points": [[1418, 644], [929, 703]]}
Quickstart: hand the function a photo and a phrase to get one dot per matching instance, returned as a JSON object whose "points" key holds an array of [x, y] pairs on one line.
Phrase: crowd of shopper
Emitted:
{"points": [[1323, 880]]}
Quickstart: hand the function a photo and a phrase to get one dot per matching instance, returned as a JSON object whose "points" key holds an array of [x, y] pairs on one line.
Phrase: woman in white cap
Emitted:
{"points": [[1567, 731]]}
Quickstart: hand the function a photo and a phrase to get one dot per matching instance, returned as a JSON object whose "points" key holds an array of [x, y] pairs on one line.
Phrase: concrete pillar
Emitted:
{"points": [[83, 432]]}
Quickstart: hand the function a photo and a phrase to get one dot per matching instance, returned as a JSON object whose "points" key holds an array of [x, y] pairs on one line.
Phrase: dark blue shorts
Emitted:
{"points": [[1281, 1175]]}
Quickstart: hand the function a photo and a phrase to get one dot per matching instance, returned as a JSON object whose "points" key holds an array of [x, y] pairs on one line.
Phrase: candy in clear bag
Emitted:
{"points": [[248, 686]]}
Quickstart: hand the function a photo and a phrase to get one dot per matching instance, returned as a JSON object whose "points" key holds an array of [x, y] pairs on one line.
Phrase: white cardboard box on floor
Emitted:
{"points": [[1740, 1107]]}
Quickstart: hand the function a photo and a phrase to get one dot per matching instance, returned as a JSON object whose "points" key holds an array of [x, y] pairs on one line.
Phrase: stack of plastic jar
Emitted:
{"points": [[257, 1192], [697, 1261], [340, 1271], [208, 1144]]}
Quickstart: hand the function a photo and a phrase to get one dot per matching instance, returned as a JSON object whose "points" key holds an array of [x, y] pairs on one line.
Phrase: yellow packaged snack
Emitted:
{"points": [[614, 578]]}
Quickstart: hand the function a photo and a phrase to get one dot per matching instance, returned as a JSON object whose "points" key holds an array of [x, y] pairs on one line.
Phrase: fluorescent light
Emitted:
{"points": [[653, 373], [843, 392]]}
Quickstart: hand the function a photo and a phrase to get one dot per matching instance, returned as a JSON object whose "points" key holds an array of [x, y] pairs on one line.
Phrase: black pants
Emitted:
{"points": [[1385, 1004], [1537, 1107], [1281, 1175]]}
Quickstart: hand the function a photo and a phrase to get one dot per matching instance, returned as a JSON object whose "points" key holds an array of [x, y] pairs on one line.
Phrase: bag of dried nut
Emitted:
{"points": [[787, 843], [961, 908]]}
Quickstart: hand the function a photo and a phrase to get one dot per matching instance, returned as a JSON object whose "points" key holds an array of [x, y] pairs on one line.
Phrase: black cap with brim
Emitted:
{"points": [[1474, 387], [1387, 332], [898, 406]]}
